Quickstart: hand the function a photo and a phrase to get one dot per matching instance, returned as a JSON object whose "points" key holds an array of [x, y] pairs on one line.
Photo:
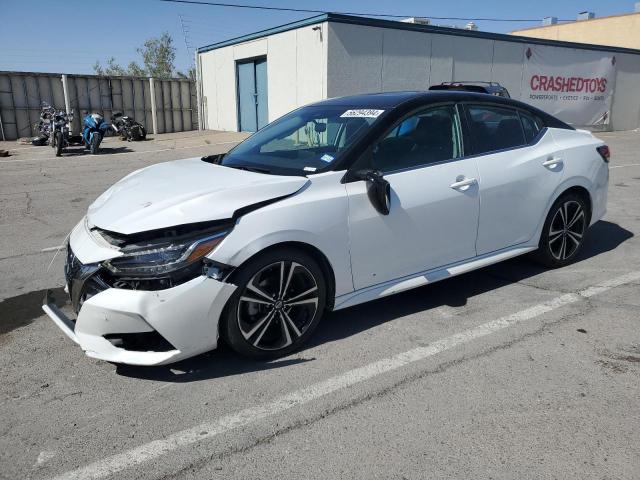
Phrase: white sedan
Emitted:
{"points": [[334, 204]]}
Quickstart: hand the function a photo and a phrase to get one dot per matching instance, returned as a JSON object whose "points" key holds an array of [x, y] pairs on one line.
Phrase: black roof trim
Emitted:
{"points": [[396, 25], [392, 100]]}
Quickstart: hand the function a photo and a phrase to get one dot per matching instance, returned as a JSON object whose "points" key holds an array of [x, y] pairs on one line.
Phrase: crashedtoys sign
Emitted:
{"points": [[574, 85]]}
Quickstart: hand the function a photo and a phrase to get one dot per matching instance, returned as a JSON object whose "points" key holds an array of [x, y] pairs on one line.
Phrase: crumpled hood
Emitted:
{"points": [[181, 192]]}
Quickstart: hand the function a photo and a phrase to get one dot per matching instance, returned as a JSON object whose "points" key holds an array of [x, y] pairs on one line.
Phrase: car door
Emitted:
{"points": [[520, 167], [434, 203]]}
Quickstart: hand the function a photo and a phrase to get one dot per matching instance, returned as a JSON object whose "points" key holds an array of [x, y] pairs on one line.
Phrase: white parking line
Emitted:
{"points": [[52, 249], [149, 451], [122, 153], [627, 165]]}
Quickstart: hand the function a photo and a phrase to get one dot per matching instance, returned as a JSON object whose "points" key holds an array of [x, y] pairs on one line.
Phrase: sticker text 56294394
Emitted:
{"points": [[362, 113]]}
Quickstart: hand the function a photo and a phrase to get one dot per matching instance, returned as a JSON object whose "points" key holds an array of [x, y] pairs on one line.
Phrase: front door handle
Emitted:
{"points": [[463, 183], [551, 162]]}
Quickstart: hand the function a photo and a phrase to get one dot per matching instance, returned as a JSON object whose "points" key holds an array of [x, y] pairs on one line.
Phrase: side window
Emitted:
{"points": [[430, 136], [495, 128], [531, 126]]}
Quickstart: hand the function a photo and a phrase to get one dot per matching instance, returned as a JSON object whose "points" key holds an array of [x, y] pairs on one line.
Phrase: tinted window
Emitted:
{"points": [[495, 128], [430, 136], [530, 126]]}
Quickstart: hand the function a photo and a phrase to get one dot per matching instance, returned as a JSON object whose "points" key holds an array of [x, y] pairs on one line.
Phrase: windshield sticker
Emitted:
{"points": [[362, 113], [309, 169], [326, 158]]}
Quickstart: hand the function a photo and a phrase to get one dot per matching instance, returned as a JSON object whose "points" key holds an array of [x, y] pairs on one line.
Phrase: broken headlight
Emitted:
{"points": [[163, 259]]}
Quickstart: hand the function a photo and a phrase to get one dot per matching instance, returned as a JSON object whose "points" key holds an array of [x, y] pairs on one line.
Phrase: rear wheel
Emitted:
{"points": [[95, 144], [280, 299], [59, 143], [563, 232]]}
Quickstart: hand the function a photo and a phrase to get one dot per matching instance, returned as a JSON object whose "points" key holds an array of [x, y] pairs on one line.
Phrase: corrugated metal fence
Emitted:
{"points": [[22, 93]]}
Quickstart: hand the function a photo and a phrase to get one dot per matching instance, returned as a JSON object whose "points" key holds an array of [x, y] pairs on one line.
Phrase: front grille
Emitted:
{"points": [[82, 281]]}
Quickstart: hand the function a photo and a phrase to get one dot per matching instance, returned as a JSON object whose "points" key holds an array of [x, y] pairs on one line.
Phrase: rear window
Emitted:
{"points": [[531, 126], [495, 128]]}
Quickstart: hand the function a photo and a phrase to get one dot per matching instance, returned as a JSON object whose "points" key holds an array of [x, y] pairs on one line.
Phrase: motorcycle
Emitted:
{"points": [[60, 130], [43, 127], [128, 128], [95, 128]]}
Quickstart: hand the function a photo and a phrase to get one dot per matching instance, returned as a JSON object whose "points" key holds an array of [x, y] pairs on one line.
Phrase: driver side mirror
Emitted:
{"points": [[378, 190]]}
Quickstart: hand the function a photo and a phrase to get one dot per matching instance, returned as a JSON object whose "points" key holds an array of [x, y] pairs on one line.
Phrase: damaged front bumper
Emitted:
{"points": [[147, 327]]}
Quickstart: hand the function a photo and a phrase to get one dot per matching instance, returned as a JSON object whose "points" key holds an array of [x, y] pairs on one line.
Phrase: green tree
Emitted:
{"points": [[136, 70], [158, 55], [191, 74], [112, 69]]}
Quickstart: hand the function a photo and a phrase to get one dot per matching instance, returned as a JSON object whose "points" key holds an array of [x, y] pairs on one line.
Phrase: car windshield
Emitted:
{"points": [[305, 141]]}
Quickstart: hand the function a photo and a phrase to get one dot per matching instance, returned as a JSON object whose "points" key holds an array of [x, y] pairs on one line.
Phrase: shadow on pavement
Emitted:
{"points": [[603, 237], [76, 151]]}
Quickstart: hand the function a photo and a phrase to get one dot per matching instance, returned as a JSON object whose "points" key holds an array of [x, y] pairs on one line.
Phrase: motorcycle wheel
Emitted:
{"points": [[59, 143], [95, 144]]}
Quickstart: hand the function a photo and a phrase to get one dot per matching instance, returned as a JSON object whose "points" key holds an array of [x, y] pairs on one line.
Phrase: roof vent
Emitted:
{"points": [[471, 26], [586, 16], [546, 21], [418, 20]]}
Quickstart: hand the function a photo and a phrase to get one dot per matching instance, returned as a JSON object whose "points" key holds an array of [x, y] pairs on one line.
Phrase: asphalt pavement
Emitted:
{"points": [[512, 371]]}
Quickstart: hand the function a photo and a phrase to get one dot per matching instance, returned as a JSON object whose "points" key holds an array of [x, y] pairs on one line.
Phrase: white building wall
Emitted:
{"points": [[625, 110], [333, 59], [405, 60], [506, 68], [364, 59], [296, 74]]}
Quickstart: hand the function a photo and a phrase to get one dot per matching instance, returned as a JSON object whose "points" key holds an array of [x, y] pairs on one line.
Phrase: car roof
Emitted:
{"points": [[394, 99], [391, 100]]}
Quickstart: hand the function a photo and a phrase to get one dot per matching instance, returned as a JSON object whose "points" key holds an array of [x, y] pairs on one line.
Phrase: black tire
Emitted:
{"points": [[272, 327], [95, 144], [59, 143], [563, 231]]}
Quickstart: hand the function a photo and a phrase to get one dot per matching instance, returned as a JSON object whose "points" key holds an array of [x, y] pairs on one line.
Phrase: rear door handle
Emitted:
{"points": [[551, 162], [463, 183]]}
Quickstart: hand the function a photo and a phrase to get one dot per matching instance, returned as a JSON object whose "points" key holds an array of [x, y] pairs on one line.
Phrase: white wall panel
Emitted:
{"points": [[472, 58], [355, 60], [507, 66], [441, 59], [282, 79], [625, 110], [405, 61], [311, 65], [255, 48]]}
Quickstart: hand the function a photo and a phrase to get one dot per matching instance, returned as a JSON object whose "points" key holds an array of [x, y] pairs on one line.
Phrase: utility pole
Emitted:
{"points": [[185, 36]]}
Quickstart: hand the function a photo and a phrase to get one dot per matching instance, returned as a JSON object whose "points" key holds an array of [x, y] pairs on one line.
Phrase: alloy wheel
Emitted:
{"points": [[277, 305], [566, 230]]}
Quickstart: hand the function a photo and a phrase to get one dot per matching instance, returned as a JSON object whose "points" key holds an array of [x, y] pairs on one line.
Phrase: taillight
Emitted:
{"points": [[604, 152]]}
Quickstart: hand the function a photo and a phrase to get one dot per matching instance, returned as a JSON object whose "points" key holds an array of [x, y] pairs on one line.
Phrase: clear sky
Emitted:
{"points": [[68, 36]]}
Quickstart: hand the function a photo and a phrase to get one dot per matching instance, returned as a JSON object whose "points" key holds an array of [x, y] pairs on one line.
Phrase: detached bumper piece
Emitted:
{"points": [[65, 323]]}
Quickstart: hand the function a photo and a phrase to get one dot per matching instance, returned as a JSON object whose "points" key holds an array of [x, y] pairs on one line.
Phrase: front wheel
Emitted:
{"points": [[95, 144], [59, 143], [280, 299], [563, 232]]}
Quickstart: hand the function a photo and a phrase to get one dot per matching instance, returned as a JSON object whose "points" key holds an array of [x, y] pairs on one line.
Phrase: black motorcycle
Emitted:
{"points": [[128, 128], [60, 133], [43, 127]]}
